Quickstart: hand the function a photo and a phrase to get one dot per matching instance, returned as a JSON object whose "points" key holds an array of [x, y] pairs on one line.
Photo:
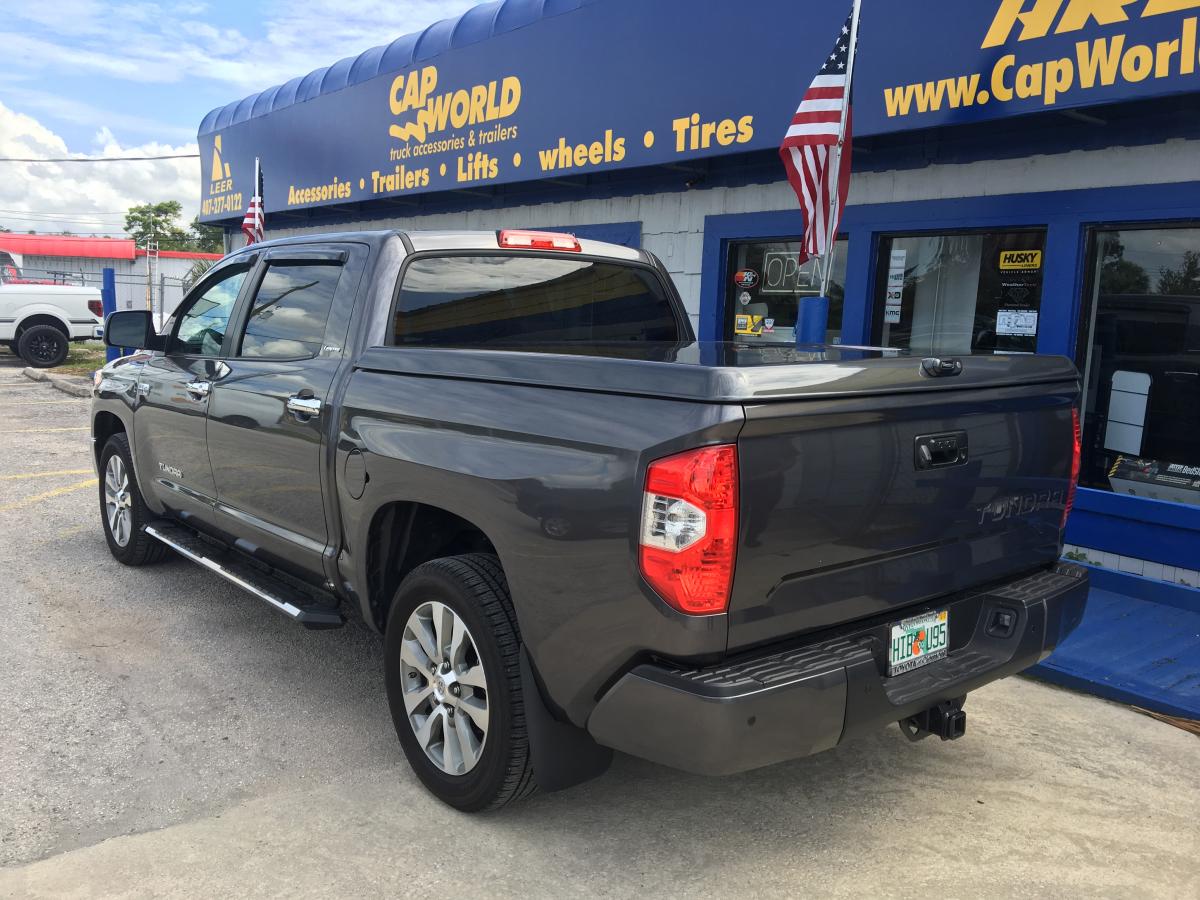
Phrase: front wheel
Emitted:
{"points": [[452, 657], [122, 509], [43, 346]]}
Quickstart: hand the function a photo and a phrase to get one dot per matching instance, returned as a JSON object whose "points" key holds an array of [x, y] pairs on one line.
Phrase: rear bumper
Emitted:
{"points": [[761, 709]]}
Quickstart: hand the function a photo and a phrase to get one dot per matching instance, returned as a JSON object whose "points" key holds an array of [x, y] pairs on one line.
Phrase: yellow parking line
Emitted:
{"points": [[45, 474], [44, 430], [46, 495]]}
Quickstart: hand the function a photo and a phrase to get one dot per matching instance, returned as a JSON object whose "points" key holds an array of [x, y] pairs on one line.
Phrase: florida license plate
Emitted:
{"points": [[917, 641]]}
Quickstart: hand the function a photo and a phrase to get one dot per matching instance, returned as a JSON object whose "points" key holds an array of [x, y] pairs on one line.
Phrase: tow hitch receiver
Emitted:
{"points": [[946, 720]]}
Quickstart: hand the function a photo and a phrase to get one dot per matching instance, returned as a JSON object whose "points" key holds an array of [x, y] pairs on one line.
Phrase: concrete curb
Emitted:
{"points": [[75, 386]]}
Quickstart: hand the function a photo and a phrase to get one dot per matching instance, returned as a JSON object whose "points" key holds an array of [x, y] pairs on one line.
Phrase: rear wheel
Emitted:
{"points": [[43, 346], [452, 653], [122, 509]]}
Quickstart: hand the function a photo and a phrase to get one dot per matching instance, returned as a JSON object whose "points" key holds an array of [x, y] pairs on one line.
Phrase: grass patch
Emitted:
{"points": [[84, 359]]}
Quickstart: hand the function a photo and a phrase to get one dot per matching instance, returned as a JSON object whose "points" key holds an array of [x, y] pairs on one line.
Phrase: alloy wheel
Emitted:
{"points": [[445, 688], [45, 349], [118, 500]]}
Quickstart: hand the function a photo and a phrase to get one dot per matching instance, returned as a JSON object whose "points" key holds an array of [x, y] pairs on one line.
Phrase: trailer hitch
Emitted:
{"points": [[947, 720]]}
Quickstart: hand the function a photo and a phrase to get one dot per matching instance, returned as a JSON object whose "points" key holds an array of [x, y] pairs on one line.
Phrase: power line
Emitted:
{"points": [[89, 216], [36, 220], [90, 232], [97, 159]]}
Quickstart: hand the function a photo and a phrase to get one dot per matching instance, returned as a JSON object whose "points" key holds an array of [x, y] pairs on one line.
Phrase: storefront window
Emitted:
{"points": [[766, 284], [971, 292], [1140, 352]]}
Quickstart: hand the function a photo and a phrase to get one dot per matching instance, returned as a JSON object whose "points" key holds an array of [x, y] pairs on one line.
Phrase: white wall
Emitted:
{"points": [[673, 223]]}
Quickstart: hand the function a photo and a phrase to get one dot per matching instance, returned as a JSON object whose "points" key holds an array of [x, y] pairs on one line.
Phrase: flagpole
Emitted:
{"points": [[258, 189], [835, 174]]}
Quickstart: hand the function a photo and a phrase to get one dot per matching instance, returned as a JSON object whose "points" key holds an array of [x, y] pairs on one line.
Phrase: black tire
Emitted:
{"points": [[139, 549], [474, 587], [43, 346]]}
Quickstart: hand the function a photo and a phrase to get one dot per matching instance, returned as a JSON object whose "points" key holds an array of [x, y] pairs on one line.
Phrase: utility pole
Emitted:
{"points": [[151, 269]]}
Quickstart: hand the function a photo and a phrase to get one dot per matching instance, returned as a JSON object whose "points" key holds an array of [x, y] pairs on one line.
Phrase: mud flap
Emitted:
{"points": [[563, 755]]}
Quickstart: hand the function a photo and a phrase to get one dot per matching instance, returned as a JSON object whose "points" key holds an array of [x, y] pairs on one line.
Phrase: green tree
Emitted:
{"points": [[1183, 281], [158, 222], [1117, 274], [207, 238], [196, 272]]}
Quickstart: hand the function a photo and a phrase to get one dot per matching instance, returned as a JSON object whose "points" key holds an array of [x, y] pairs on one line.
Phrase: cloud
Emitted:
{"points": [[85, 198], [68, 109], [121, 48], [173, 43]]}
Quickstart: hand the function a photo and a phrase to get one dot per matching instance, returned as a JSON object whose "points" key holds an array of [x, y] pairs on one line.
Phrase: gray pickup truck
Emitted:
{"points": [[578, 529]]}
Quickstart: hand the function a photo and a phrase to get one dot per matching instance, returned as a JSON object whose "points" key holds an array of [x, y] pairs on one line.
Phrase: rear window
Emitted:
{"points": [[472, 301]]}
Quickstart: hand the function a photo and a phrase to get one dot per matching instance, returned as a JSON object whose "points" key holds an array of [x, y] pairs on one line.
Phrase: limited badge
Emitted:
{"points": [[744, 298], [746, 278]]}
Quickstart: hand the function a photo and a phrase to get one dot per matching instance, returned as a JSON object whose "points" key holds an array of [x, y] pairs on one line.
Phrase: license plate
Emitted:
{"points": [[917, 641]]}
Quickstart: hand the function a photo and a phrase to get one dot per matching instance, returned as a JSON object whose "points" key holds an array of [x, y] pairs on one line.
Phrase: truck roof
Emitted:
{"points": [[422, 241]]}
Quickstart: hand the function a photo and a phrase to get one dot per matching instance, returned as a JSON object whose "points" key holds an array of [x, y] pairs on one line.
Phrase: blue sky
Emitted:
{"points": [[85, 77]]}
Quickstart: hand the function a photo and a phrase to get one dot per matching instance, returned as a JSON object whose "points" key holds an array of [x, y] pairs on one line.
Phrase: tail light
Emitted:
{"points": [[96, 308], [1076, 457], [539, 240], [689, 528]]}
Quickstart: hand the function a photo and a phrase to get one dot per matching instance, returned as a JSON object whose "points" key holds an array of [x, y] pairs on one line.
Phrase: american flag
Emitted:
{"points": [[252, 222], [811, 141]]}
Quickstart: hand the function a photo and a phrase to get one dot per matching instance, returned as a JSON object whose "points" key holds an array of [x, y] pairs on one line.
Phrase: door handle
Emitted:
{"points": [[304, 407], [199, 388], [937, 451]]}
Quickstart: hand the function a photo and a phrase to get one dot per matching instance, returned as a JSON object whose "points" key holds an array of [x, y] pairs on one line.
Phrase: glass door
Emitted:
{"points": [[1139, 350], [765, 285], [959, 292]]}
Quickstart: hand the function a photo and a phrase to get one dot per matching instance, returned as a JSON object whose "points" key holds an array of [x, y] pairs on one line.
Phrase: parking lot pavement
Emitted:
{"points": [[163, 734]]}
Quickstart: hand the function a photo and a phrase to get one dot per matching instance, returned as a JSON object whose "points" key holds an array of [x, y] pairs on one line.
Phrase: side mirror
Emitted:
{"points": [[132, 328]]}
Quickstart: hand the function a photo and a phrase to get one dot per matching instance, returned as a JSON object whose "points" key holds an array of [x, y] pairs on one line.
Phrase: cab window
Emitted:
{"points": [[288, 317], [204, 320]]}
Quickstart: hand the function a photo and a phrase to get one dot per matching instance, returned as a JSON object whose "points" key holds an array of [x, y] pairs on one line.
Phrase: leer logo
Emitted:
{"points": [[220, 170], [221, 198], [1041, 14], [1020, 259]]}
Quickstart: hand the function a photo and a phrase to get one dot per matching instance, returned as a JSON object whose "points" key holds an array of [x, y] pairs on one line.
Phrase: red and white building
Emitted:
{"points": [[73, 260]]}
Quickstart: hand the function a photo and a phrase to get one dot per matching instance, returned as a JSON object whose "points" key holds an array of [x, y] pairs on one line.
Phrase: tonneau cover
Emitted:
{"points": [[715, 372]]}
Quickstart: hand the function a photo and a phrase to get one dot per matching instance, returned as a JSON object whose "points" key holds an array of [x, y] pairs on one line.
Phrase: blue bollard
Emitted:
{"points": [[812, 320], [108, 300]]}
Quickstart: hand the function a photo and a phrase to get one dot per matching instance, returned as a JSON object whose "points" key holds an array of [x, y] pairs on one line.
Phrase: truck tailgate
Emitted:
{"points": [[844, 515]]}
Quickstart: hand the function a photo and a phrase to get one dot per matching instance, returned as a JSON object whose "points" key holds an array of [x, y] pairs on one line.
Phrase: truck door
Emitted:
{"points": [[174, 388], [268, 413]]}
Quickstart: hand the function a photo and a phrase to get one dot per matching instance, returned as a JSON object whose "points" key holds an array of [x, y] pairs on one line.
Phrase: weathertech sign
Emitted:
{"points": [[1104, 54]]}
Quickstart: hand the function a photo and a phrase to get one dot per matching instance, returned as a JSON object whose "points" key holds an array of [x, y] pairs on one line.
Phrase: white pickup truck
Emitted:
{"points": [[37, 320]]}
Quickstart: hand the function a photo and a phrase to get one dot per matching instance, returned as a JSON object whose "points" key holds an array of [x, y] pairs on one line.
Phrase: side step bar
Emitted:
{"points": [[292, 602]]}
